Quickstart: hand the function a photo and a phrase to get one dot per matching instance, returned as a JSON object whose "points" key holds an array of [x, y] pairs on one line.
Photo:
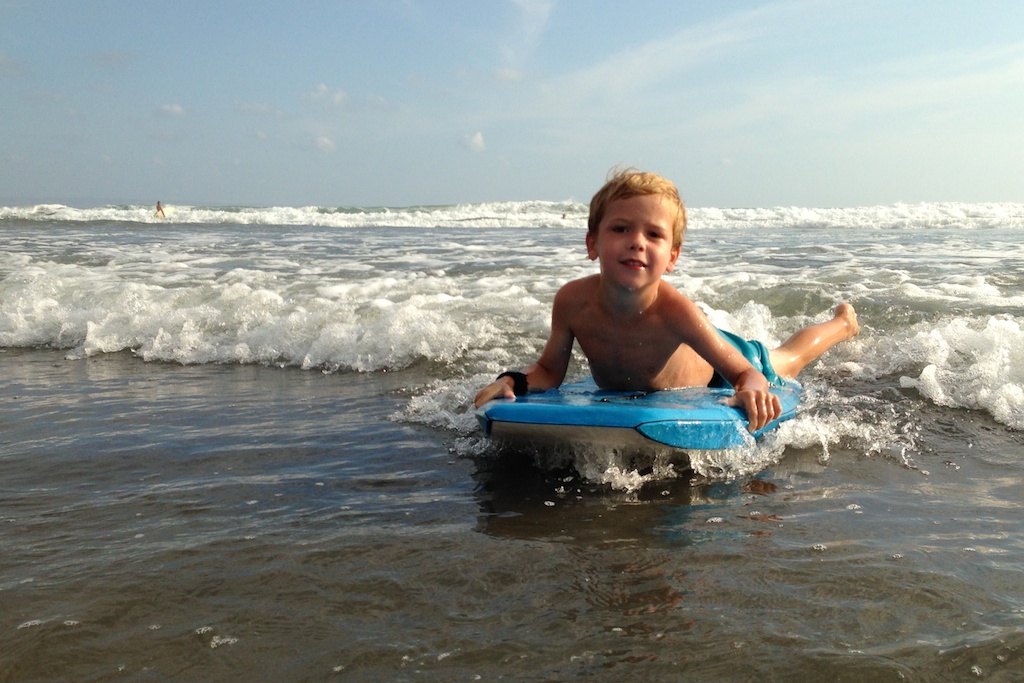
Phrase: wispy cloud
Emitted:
{"points": [[665, 83], [625, 73], [475, 142], [261, 108], [945, 80], [322, 93], [171, 110], [516, 50], [510, 75], [325, 144]]}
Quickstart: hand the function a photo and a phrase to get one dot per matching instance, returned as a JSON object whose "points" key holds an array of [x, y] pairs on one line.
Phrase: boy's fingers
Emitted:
{"points": [[498, 389], [761, 409]]}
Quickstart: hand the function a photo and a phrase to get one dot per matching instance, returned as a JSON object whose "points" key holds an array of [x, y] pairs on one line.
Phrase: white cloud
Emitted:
{"points": [[173, 110], [535, 15], [625, 73], [322, 93], [509, 75], [534, 19], [911, 88], [325, 144], [475, 142]]}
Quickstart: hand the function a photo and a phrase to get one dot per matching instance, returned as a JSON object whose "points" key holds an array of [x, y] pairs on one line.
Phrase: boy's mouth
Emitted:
{"points": [[633, 263]]}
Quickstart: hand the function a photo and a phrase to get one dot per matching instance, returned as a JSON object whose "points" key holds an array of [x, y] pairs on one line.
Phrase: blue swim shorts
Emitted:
{"points": [[754, 351]]}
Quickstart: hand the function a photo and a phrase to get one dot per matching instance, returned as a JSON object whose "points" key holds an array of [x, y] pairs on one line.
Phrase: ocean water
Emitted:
{"points": [[237, 444]]}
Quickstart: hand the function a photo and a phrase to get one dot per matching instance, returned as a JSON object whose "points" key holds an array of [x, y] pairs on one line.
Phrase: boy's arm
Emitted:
{"points": [[751, 388], [549, 370]]}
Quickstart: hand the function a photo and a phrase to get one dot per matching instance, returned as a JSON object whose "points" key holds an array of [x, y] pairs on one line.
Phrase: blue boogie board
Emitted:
{"points": [[692, 419]]}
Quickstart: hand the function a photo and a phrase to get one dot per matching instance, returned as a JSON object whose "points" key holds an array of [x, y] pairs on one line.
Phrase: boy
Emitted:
{"points": [[641, 334]]}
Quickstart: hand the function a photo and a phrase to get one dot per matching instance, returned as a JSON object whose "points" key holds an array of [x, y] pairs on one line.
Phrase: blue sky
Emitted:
{"points": [[812, 103]]}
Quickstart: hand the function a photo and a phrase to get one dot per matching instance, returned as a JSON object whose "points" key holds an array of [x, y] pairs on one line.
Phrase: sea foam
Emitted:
{"points": [[567, 213], [453, 295]]}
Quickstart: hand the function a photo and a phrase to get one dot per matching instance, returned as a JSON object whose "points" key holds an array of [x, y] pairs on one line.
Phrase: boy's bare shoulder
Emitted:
{"points": [[677, 307], [577, 289], [669, 295]]}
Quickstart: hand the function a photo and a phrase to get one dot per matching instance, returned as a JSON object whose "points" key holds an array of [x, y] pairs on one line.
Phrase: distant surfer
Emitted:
{"points": [[639, 333], [159, 210]]}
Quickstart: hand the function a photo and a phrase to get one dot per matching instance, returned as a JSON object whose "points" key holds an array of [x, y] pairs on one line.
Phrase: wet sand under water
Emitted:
{"points": [[225, 522]]}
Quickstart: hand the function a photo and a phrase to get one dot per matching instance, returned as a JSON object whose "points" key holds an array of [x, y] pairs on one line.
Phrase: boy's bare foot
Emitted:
{"points": [[847, 313]]}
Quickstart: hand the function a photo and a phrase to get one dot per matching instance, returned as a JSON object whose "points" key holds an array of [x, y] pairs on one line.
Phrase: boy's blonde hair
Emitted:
{"points": [[629, 182]]}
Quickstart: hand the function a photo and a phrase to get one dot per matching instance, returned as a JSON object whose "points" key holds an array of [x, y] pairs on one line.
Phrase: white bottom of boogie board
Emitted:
{"points": [[687, 419]]}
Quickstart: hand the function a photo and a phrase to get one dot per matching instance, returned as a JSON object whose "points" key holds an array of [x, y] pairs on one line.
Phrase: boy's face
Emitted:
{"points": [[633, 243]]}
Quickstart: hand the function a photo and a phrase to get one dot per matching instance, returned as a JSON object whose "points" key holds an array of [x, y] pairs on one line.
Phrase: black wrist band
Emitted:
{"points": [[519, 385]]}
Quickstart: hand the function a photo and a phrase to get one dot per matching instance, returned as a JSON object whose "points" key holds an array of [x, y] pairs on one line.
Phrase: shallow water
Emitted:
{"points": [[246, 522]]}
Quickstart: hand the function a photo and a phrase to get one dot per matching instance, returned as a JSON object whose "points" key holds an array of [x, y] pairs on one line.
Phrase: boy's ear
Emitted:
{"points": [[591, 246], [673, 257]]}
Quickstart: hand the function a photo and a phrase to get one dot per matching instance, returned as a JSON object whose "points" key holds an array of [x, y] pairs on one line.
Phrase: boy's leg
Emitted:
{"points": [[810, 343]]}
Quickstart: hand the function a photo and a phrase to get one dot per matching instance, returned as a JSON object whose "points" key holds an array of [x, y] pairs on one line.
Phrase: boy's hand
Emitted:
{"points": [[761, 407], [499, 388], [753, 396]]}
